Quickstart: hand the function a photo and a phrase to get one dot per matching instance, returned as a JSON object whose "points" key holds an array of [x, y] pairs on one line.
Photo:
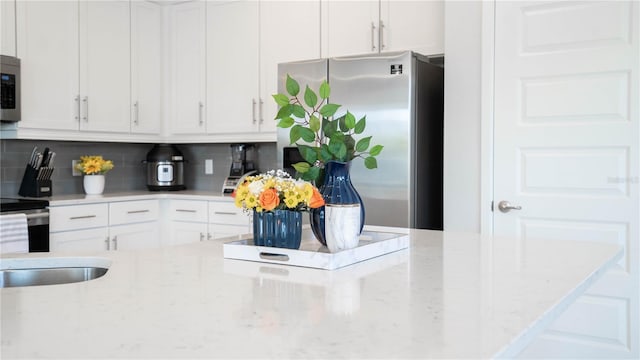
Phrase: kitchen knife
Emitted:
{"points": [[52, 156], [45, 157], [38, 161], [32, 159]]}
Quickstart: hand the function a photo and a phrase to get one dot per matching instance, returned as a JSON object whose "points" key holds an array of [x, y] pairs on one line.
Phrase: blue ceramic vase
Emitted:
{"points": [[278, 228], [337, 189]]}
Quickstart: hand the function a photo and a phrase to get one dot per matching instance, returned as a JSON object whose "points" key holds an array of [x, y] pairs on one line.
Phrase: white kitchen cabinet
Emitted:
{"points": [[75, 65], [147, 73], [111, 226], [374, 26], [225, 219], [80, 240], [233, 98], [187, 221], [47, 35], [105, 66], [242, 70], [134, 236], [188, 81], [8, 27]]}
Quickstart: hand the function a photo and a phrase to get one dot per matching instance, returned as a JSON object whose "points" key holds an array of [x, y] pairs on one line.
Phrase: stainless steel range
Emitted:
{"points": [[37, 213]]}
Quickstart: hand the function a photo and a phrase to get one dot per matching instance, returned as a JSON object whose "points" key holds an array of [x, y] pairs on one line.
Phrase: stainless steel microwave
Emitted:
{"points": [[10, 85]]}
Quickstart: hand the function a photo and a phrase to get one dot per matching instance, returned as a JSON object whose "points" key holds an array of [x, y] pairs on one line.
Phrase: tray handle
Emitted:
{"points": [[272, 256]]}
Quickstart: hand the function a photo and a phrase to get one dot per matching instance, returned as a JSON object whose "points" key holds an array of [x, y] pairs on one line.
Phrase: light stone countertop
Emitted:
{"points": [[449, 295], [79, 199]]}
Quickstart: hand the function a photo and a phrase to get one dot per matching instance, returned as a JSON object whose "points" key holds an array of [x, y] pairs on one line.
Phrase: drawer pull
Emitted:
{"points": [[137, 211], [225, 213], [82, 217], [186, 210]]}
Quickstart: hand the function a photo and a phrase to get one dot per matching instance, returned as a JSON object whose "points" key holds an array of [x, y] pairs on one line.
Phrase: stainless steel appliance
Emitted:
{"points": [[402, 96], [9, 88], [37, 213], [242, 164], [165, 168]]}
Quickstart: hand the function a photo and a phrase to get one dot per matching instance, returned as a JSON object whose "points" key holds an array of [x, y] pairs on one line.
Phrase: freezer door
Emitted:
{"points": [[379, 87]]}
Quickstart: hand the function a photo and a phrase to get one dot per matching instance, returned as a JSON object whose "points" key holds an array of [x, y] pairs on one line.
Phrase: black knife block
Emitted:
{"points": [[31, 186]]}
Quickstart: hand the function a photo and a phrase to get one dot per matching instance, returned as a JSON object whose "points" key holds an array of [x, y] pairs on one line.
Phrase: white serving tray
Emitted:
{"points": [[315, 255]]}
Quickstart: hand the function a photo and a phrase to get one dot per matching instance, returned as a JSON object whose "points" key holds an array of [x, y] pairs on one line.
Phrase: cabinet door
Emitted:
{"points": [[105, 66], [47, 35], [80, 240], [135, 236], [219, 231], [350, 27], [301, 44], [412, 25], [8, 27], [232, 67], [188, 68], [186, 233], [147, 74]]}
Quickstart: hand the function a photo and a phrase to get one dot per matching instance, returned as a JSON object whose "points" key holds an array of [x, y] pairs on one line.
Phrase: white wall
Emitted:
{"points": [[462, 48]]}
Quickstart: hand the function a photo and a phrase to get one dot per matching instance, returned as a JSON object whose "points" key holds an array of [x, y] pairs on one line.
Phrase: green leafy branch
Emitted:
{"points": [[325, 137]]}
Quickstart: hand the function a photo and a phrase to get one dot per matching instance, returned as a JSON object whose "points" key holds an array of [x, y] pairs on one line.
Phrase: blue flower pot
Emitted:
{"points": [[278, 228], [337, 189]]}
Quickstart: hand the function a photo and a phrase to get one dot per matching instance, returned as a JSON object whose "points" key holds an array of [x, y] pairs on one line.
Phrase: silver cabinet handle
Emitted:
{"points": [[373, 30], [106, 241], [77, 108], [186, 210], [200, 108], [209, 236], [135, 113], [380, 36], [85, 101], [115, 243], [137, 211], [201, 237], [224, 213], [253, 110], [260, 111], [82, 217], [506, 206]]}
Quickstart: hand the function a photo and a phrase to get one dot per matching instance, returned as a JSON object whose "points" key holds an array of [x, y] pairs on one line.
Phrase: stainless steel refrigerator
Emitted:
{"points": [[402, 95]]}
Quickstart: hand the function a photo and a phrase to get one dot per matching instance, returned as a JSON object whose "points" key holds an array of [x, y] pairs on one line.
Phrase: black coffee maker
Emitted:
{"points": [[242, 164]]}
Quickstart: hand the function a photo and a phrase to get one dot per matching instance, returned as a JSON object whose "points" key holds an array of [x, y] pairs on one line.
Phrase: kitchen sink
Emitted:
{"points": [[52, 271]]}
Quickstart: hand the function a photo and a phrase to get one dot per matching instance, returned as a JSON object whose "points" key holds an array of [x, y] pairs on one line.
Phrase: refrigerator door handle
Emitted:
{"points": [[380, 36], [373, 31]]}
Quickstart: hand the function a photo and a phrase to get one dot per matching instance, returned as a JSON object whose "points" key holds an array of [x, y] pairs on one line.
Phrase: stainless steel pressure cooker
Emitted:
{"points": [[165, 168]]}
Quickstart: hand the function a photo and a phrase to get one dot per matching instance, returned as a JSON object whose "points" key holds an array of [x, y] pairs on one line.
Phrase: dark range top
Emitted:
{"points": [[11, 204]]}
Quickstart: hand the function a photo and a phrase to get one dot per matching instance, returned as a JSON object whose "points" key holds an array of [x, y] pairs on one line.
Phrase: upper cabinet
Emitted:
{"points": [[8, 27], [48, 48], [105, 95], [374, 26], [242, 70], [146, 67], [78, 58], [188, 81]]}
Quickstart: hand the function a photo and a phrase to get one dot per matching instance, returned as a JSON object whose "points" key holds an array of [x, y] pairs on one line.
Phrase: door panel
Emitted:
{"points": [[567, 151]]}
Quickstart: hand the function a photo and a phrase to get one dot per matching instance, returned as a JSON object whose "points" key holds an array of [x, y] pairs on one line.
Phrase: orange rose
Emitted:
{"points": [[316, 199], [269, 199]]}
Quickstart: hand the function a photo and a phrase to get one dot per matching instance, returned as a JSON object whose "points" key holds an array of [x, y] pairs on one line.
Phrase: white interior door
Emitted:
{"points": [[566, 150]]}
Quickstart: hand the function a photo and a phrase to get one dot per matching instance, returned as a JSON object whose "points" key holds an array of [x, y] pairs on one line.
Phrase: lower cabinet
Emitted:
{"points": [[113, 226], [225, 219]]}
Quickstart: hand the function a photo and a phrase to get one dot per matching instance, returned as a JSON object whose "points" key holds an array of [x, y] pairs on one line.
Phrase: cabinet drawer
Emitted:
{"points": [[128, 212], [63, 218], [188, 210], [227, 213]]}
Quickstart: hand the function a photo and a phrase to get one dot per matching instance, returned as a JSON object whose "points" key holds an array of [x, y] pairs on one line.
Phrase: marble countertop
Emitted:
{"points": [[449, 295], [78, 199]]}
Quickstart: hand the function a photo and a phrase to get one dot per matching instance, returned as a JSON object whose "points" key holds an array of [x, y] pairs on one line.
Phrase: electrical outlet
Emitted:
{"points": [[208, 166], [75, 172]]}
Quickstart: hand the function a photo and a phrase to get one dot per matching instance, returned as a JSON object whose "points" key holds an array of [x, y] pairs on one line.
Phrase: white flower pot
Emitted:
{"points": [[93, 184], [342, 226]]}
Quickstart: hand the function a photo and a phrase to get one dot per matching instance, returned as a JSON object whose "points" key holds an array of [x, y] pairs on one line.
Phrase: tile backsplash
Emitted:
{"points": [[129, 172]]}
